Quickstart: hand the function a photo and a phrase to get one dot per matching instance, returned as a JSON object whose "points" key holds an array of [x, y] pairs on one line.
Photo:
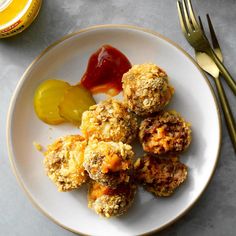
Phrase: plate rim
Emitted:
{"points": [[91, 28]]}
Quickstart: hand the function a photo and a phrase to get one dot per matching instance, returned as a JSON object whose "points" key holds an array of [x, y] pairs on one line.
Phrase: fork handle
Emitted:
{"points": [[227, 112], [228, 78]]}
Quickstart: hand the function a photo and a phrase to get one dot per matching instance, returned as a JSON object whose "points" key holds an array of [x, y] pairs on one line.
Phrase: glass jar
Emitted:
{"points": [[17, 15]]}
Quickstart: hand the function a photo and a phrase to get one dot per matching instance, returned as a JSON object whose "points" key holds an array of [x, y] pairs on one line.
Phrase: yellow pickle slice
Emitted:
{"points": [[75, 101], [47, 97]]}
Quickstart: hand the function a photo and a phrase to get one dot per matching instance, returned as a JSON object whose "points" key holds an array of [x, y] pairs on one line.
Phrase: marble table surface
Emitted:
{"points": [[215, 212]]}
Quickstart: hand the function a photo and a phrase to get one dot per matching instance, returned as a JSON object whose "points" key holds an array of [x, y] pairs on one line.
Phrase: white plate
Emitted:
{"points": [[67, 59]]}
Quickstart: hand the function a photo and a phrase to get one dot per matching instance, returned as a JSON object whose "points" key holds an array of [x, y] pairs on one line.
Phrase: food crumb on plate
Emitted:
{"points": [[38, 146]]}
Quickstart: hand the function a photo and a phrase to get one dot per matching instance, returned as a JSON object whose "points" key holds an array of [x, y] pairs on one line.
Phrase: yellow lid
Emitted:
{"points": [[17, 15]]}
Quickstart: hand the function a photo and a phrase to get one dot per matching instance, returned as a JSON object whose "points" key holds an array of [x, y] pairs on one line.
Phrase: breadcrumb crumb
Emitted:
{"points": [[38, 146]]}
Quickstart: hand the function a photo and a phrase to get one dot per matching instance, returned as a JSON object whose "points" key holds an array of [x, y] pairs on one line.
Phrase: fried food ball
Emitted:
{"points": [[160, 175], [109, 121], [109, 202], [146, 89], [165, 133], [109, 163], [64, 162]]}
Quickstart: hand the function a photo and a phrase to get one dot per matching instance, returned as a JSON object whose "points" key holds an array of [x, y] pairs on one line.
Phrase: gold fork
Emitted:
{"points": [[208, 65], [197, 39]]}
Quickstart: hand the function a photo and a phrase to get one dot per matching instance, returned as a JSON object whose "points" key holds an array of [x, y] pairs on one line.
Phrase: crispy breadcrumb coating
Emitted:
{"points": [[160, 175], [108, 163], [64, 162], [109, 120], [165, 133], [109, 202], [146, 89]]}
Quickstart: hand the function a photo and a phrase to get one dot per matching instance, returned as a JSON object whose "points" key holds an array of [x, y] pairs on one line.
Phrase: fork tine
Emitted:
{"points": [[215, 42], [201, 25], [192, 15], [181, 18], [186, 16]]}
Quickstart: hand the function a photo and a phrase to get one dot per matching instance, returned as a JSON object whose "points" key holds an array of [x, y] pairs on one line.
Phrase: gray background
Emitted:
{"points": [[215, 212]]}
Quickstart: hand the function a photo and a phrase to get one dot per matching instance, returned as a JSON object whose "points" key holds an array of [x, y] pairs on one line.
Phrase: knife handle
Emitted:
{"points": [[230, 122]]}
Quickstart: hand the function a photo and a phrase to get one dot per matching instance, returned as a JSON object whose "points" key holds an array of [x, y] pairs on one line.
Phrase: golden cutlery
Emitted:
{"points": [[208, 65], [195, 36]]}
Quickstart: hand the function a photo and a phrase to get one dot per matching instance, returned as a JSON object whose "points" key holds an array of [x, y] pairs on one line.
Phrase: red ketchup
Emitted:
{"points": [[105, 70]]}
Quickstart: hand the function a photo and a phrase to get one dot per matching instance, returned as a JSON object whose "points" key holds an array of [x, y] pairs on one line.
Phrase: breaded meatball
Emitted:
{"points": [[146, 89], [165, 133], [109, 202], [64, 162], [108, 163], [109, 121], [160, 175]]}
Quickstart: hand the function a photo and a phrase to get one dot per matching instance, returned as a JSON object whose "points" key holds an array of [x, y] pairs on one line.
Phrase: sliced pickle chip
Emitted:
{"points": [[47, 98], [76, 100]]}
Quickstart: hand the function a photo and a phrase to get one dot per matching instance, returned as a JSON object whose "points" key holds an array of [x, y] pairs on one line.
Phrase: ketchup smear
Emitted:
{"points": [[105, 70]]}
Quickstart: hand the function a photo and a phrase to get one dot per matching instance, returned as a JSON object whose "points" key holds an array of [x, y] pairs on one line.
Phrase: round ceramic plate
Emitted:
{"points": [[67, 60]]}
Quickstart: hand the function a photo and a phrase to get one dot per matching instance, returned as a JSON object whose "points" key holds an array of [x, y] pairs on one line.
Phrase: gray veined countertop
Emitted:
{"points": [[215, 212]]}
